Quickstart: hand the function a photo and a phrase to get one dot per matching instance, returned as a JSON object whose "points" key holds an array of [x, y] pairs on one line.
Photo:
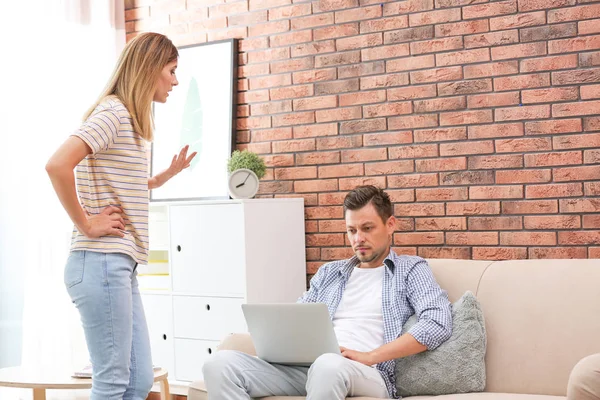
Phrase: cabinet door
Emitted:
{"points": [[159, 316], [190, 356], [207, 249], [207, 318]]}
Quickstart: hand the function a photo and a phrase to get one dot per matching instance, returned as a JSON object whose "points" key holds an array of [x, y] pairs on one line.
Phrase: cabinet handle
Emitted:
{"points": [[209, 350], [208, 307], [164, 336], [178, 248]]}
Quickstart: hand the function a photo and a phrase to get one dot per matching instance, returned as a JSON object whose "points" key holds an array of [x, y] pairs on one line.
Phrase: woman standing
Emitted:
{"points": [[107, 200]]}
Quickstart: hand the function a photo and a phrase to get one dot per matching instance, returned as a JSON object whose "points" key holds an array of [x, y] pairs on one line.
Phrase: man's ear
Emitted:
{"points": [[391, 224]]}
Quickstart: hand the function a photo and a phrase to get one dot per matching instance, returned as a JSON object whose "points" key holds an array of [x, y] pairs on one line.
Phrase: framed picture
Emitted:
{"points": [[199, 112]]}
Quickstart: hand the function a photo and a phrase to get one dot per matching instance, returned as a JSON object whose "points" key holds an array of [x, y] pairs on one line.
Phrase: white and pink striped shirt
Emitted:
{"points": [[115, 173]]}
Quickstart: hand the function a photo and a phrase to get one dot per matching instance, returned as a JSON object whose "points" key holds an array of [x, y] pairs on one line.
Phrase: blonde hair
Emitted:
{"points": [[134, 79]]}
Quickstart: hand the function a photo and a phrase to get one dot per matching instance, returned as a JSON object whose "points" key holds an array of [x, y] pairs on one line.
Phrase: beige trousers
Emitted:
{"points": [[584, 382]]}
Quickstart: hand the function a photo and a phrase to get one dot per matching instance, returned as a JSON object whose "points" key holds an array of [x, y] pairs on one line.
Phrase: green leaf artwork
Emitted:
{"points": [[191, 122]]}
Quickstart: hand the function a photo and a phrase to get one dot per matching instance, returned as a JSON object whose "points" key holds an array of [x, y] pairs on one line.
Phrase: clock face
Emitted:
{"points": [[243, 184]]}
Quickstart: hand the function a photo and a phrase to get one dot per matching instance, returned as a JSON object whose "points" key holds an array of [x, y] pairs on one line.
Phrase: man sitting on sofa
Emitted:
{"points": [[369, 296]]}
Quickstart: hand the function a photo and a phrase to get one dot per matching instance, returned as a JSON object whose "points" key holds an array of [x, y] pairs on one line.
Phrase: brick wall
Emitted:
{"points": [[479, 117]]}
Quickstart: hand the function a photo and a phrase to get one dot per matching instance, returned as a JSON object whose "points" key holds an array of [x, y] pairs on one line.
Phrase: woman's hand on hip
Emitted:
{"points": [[108, 223]]}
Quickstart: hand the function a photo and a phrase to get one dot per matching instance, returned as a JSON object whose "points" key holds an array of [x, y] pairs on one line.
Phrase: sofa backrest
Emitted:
{"points": [[542, 317]]}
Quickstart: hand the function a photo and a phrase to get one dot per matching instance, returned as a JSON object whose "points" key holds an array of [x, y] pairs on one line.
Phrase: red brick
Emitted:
{"points": [[273, 107], [270, 81], [324, 239], [590, 172], [269, 28], [296, 10], [387, 138], [530, 207], [413, 121], [591, 188], [576, 141], [496, 162], [364, 155], [496, 192], [550, 95], [362, 41], [339, 86], [587, 27], [573, 109], [314, 103], [413, 151], [313, 254], [467, 178], [416, 238], [291, 92], [295, 64], [248, 44], [520, 113], [490, 9], [495, 223], [275, 187], [350, 183], [574, 13], [410, 63], [339, 114], [254, 122], [442, 194], [591, 124], [332, 199], [434, 17], [409, 34], [436, 75], [491, 69], [500, 38], [312, 21], [351, 71], [299, 118], [245, 19], [259, 4], [279, 160], [314, 130], [523, 176], [579, 205], [389, 167], [576, 44], [384, 24], [259, 148], [519, 51], [465, 87], [465, 117], [440, 104], [307, 49], [318, 158], [473, 208], [528, 5], [409, 251], [581, 238], [357, 14], [419, 210], [384, 52], [336, 31], [454, 3], [412, 92], [401, 196], [328, 60], [292, 146], [384, 81], [499, 253], [557, 252], [295, 173], [441, 164], [405, 224], [441, 224], [553, 127], [253, 70], [314, 76], [436, 45], [591, 156], [365, 125], [329, 5], [321, 185], [520, 20], [336, 142], [365, 97], [524, 81], [549, 63], [461, 253], [413, 180], [271, 134], [466, 148], [472, 238], [590, 92], [590, 59], [441, 134], [554, 190], [523, 145], [462, 28], [591, 221], [495, 130], [555, 158], [462, 57], [580, 76], [404, 7], [548, 32], [493, 100]]}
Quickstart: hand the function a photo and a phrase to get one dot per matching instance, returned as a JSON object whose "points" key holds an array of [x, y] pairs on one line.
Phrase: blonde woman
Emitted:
{"points": [[107, 200]]}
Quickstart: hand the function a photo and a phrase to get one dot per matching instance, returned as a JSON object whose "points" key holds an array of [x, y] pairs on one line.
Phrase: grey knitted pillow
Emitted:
{"points": [[457, 365]]}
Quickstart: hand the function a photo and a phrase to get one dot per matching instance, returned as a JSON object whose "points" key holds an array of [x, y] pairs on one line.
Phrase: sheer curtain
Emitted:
{"points": [[59, 57]]}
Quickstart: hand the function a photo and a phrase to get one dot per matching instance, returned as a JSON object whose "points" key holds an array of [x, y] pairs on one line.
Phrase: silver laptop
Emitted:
{"points": [[291, 333]]}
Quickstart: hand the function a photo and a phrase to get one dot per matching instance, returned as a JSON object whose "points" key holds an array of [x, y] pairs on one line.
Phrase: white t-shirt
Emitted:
{"points": [[358, 320]]}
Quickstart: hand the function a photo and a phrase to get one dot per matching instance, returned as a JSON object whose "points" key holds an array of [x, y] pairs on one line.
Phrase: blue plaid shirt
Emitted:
{"points": [[408, 288]]}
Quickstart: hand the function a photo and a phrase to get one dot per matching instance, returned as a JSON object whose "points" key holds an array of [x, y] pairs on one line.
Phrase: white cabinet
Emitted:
{"points": [[221, 254]]}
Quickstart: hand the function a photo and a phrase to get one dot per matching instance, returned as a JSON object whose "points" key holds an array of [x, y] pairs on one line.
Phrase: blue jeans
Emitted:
{"points": [[104, 288]]}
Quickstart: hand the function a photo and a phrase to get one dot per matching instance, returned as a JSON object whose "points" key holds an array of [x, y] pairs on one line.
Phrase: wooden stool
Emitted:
{"points": [[40, 381]]}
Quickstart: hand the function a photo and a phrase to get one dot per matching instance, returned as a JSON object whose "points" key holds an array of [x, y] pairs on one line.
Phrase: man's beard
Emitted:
{"points": [[366, 258]]}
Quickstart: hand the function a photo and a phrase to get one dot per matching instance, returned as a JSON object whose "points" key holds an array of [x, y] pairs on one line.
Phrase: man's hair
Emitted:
{"points": [[363, 195]]}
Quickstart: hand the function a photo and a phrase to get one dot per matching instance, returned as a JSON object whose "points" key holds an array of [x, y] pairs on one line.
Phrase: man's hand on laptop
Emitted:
{"points": [[361, 357]]}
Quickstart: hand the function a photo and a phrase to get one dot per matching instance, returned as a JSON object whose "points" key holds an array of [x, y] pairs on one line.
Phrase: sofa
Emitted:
{"points": [[541, 316]]}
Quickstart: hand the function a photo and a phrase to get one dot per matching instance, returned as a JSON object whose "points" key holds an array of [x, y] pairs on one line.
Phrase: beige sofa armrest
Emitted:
{"points": [[238, 341]]}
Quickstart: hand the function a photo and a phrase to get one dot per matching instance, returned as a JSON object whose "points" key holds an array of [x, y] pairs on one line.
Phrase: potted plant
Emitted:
{"points": [[245, 170]]}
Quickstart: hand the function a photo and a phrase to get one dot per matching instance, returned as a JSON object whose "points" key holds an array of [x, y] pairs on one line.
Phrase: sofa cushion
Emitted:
{"points": [[457, 365]]}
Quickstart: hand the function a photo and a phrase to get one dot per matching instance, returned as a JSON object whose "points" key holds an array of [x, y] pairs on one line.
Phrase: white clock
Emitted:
{"points": [[243, 184]]}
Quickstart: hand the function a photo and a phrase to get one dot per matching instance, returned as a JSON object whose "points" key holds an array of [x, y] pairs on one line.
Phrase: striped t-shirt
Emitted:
{"points": [[115, 173]]}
